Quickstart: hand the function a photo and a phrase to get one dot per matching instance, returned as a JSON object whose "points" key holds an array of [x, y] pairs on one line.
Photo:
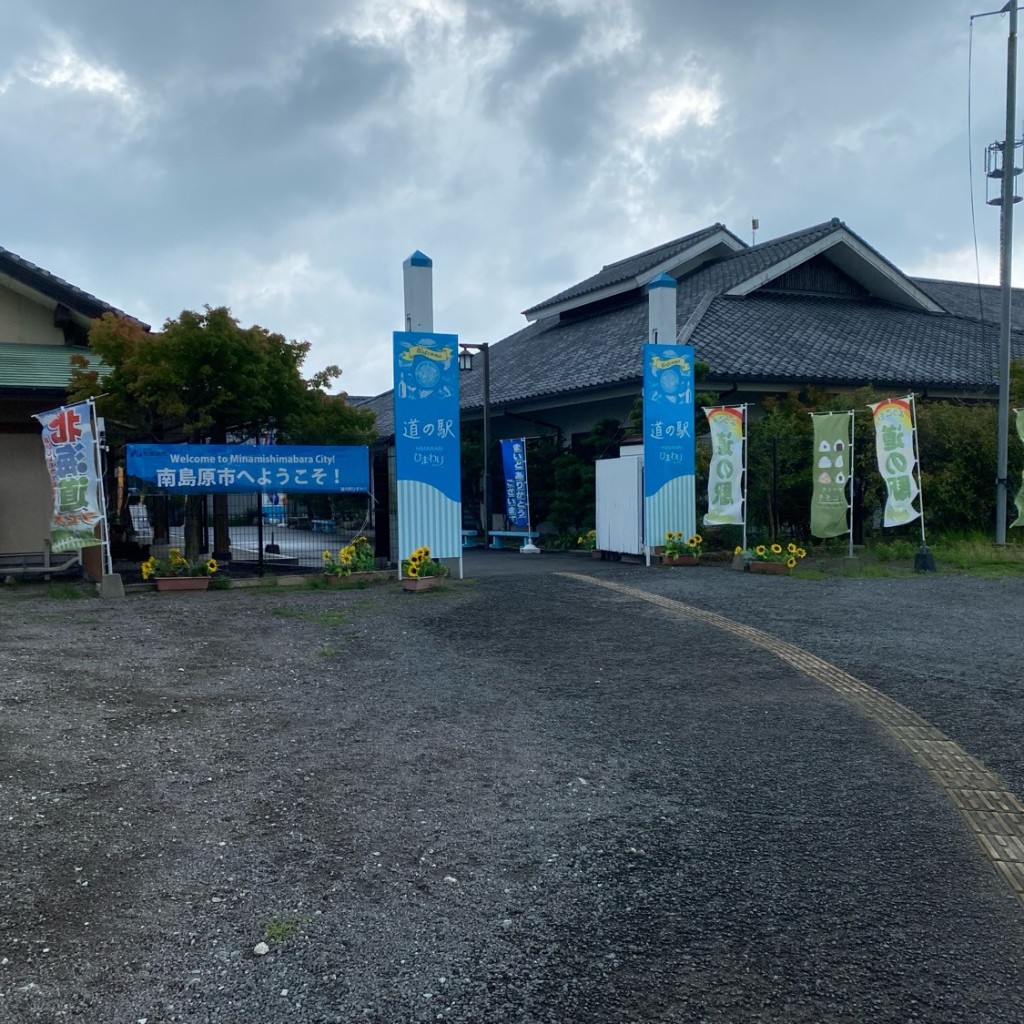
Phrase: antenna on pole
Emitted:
{"points": [[754, 225]]}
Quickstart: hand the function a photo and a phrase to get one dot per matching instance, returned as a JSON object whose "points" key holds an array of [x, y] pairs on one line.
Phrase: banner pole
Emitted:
{"points": [[917, 461], [744, 407], [853, 440], [100, 469]]}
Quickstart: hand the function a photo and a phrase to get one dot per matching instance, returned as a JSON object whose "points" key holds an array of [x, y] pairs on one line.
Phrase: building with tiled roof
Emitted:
{"points": [[819, 306], [44, 322]]}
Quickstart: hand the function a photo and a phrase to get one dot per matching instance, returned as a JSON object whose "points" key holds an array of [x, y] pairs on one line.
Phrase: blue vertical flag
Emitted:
{"points": [[517, 491], [670, 501], [427, 443]]}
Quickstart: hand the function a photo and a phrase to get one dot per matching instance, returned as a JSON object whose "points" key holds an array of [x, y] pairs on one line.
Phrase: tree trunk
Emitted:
{"points": [[221, 534], [193, 525]]}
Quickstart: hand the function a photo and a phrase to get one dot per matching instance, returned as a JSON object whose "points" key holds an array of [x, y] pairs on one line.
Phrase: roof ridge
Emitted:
{"points": [[717, 226]]}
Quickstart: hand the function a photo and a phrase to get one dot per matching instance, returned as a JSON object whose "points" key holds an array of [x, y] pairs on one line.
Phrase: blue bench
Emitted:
{"points": [[498, 537], [323, 526], [469, 538]]}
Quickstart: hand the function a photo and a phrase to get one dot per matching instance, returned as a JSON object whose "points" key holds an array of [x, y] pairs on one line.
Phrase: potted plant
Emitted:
{"points": [[677, 551], [588, 542], [421, 572], [774, 559], [354, 560], [175, 572]]}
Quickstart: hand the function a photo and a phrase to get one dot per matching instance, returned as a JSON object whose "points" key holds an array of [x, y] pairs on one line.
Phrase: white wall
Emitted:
{"points": [[25, 322]]}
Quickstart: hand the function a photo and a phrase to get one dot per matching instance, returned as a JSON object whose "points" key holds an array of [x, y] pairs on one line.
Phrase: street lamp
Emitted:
{"points": [[466, 351]]}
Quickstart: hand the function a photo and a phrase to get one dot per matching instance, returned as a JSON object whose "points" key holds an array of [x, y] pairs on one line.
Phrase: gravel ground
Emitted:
{"points": [[521, 798]]}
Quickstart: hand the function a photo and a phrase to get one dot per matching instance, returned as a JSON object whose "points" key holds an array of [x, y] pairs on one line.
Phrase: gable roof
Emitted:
{"points": [[680, 255], [27, 279]]}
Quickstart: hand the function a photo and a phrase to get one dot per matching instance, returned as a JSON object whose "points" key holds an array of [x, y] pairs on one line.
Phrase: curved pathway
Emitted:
{"points": [[993, 814]]}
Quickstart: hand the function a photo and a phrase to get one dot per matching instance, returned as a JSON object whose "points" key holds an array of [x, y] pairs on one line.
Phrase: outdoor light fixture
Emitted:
{"points": [[466, 351]]}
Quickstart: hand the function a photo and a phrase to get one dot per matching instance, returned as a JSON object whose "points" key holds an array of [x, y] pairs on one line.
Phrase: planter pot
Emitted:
{"points": [[597, 555], [421, 583], [182, 582], [354, 577], [680, 560], [770, 568]]}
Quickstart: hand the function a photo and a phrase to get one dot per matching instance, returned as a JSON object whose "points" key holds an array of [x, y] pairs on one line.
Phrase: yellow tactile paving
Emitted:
{"points": [[993, 814]]}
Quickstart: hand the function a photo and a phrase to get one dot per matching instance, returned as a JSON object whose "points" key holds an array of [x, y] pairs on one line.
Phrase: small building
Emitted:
{"points": [[44, 321]]}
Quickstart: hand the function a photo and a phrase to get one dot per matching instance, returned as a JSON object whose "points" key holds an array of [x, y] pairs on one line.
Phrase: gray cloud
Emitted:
{"points": [[286, 158]]}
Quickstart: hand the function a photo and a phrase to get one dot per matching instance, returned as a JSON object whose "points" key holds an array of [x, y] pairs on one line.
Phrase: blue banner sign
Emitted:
{"points": [[517, 491], [245, 468], [670, 502], [427, 450]]}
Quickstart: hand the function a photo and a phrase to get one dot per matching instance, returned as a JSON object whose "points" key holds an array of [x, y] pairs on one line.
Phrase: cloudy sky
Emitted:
{"points": [[284, 158]]}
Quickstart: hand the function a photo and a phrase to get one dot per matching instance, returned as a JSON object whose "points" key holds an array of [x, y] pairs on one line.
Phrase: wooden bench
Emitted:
{"points": [[498, 537]]}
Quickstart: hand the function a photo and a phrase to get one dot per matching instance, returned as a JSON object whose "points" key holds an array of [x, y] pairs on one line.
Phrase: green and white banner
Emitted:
{"points": [[1019, 500], [725, 478], [897, 461], [830, 504]]}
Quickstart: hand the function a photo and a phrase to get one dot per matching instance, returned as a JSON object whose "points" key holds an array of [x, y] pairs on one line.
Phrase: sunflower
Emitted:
{"points": [[791, 561], [776, 549], [211, 566], [800, 553], [412, 569], [791, 548], [760, 550], [738, 550]]}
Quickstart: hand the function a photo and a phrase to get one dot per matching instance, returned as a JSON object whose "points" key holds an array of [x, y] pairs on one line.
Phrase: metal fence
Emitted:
{"points": [[286, 537]]}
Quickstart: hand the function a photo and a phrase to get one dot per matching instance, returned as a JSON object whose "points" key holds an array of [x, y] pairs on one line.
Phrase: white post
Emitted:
{"points": [[661, 310], [418, 281]]}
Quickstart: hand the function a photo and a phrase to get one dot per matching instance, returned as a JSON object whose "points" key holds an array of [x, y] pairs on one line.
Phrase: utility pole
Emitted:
{"points": [[1007, 199]]}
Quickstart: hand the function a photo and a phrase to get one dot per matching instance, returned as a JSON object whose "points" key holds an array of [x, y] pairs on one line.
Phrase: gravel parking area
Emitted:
{"points": [[520, 798]]}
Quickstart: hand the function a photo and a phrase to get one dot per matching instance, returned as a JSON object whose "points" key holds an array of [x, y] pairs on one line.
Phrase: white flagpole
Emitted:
{"points": [[917, 462], [98, 462], [744, 492], [853, 438]]}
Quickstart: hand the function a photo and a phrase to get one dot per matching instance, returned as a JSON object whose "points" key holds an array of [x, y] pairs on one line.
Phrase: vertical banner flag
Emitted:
{"points": [[894, 443], [669, 482], [72, 455], [1019, 500], [517, 491], [725, 478], [427, 443], [829, 502]]}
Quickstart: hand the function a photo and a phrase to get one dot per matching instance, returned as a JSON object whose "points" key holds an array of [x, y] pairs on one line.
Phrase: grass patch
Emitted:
{"points": [[277, 929], [973, 555], [69, 591], [330, 619]]}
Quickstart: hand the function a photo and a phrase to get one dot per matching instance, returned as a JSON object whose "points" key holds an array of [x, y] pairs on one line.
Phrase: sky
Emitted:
{"points": [[284, 159]]}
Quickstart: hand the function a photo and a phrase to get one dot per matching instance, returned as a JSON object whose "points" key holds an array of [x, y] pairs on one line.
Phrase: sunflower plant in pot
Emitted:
{"points": [[356, 559], [775, 559], [420, 571], [677, 551], [175, 572]]}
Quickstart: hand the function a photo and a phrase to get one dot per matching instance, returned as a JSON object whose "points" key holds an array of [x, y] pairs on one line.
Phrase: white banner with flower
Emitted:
{"points": [[725, 477]]}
